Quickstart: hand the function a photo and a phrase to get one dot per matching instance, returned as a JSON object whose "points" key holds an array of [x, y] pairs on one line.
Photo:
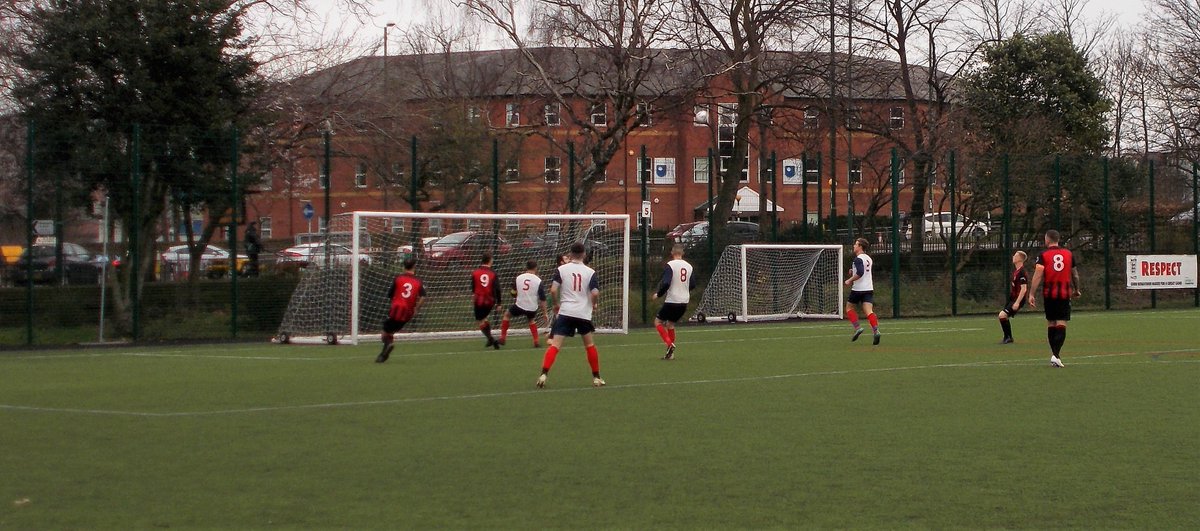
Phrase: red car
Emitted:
{"points": [[465, 247]]}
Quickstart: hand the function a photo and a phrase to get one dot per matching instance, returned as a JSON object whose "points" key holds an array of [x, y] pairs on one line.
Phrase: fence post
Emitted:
{"points": [[1153, 242], [1195, 227], [804, 194], [28, 265], [326, 164], [833, 220], [895, 236], [495, 175], [571, 178], [953, 185], [774, 199], [1107, 244], [1007, 221], [1058, 193], [413, 180], [135, 275], [711, 209], [233, 225], [820, 177], [645, 174]]}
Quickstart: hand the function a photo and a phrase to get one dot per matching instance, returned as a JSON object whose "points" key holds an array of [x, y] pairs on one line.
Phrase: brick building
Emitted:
{"points": [[455, 103]]}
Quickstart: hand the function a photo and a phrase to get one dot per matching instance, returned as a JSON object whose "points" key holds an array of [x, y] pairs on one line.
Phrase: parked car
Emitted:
{"points": [[696, 233], [466, 246], [77, 265], [175, 262], [313, 254], [939, 223], [405, 251]]}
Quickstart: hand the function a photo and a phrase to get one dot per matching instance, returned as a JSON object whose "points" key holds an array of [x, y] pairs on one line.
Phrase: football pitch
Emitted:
{"points": [[753, 425]]}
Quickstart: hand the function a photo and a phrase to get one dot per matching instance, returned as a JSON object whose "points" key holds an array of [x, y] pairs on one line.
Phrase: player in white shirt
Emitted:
{"points": [[677, 284], [529, 294], [577, 289], [862, 291]]}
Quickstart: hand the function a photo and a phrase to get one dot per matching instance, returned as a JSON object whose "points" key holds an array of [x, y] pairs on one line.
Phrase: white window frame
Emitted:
{"points": [[896, 121], [644, 109], [852, 171], [603, 178], [552, 114], [512, 174], [812, 118], [600, 222], [512, 224], [603, 114], [474, 113], [698, 164], [360, 175], [264, 227], [512, 115], [556, 170], [854, 118], [810, 165]]}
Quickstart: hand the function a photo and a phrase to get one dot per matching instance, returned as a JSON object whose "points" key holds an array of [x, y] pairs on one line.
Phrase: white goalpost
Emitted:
{"points": [[342, 295], [766, 282]]}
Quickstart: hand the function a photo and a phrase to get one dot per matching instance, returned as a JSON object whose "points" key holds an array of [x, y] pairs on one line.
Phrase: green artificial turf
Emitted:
{"points": [[753, 425]]}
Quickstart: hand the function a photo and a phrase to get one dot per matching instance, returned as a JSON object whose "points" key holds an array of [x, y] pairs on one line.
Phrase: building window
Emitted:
{"points": [[474, 114], [397, 225], [553, 112], [726, 125], [897, 121], [724, 164], [512, 173], [474, 225], [602, 223], [553, 169], [900, 173], [700, 170], [766, 173], [700, 114], [321, 225], [435, 227], [854, 171], [360, 175], [599, 114], [812, 118], [645, 118], [397, 174], [553, 226], [603, 177], [264, 228], [812, 172], [512, 224], [853, 118], [512, 115]]}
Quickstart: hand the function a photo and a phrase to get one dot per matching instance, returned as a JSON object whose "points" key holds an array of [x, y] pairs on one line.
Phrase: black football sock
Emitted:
{"points": [[1050, 335], [1007, 328], [487, 331], [1060, 337]]}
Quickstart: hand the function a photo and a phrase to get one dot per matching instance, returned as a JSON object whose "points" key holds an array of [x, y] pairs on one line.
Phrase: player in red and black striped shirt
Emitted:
{"points": [[1017, 288], [406, 295], [486, 289], [1057, 266]]}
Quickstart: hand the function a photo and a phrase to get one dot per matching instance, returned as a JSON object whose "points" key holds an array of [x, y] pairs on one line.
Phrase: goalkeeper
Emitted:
{"points": [[529, 293]]}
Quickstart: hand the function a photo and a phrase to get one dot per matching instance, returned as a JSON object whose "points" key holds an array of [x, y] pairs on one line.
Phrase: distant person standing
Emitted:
{"points": [[1017, 290], [485, 288], [677, 284], [407, 294], [1057, 266], [862, 291], [253, 247], [578, 289]]}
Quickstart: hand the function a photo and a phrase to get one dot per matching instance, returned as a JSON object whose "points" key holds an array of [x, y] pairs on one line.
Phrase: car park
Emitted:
{"points": [[941, 223], [696, 233], [40, 264], [175, 262], [313, 254]]}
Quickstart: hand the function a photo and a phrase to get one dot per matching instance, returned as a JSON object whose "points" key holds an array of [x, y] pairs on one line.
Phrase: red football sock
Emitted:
{"points": [[503, 329], [662, 332], [594, 360], [671, 332], [548, 359], [533, 331], [853, 317], [873, 320]]}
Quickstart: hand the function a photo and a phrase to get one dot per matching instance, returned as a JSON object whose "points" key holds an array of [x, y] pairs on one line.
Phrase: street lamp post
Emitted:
{"points": [[388, 175]]}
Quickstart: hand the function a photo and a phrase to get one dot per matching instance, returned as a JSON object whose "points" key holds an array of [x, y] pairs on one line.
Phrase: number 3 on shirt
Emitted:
{"points": [[407, 293]]}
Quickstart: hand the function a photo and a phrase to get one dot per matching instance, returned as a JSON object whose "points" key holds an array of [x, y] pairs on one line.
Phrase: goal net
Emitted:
{"points": [[342, 293], [760, 282]]}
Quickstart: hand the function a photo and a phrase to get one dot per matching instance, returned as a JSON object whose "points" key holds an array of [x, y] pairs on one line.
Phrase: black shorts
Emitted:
{"points": [[672, 311], [568, 326], [1011, 312], [1057, 309], [391, 326], [859, 297], [482, 312], [517, 311]]}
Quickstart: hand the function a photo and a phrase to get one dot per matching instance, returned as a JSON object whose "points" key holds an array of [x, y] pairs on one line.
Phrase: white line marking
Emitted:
{"points": [[334, 405]]}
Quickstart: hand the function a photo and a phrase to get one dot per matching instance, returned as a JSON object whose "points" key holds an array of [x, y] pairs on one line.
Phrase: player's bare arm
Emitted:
{"points": [[1075, 283], [1035, 283], [1020, 297]]}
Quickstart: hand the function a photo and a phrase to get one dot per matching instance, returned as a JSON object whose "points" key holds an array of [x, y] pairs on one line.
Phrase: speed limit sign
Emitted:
{"points": [[646, 209]]}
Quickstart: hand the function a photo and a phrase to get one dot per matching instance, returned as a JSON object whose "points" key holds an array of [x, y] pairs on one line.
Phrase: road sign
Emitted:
{"points": [[43, 227], [646, 209], [308, 211]]}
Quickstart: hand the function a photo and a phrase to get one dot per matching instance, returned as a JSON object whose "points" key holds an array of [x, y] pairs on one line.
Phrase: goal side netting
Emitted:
{"points": [[342, 294], [760, 282]]}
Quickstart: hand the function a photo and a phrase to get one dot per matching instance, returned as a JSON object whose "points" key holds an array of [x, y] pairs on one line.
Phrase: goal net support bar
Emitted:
{"points": [[764, 282]]}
